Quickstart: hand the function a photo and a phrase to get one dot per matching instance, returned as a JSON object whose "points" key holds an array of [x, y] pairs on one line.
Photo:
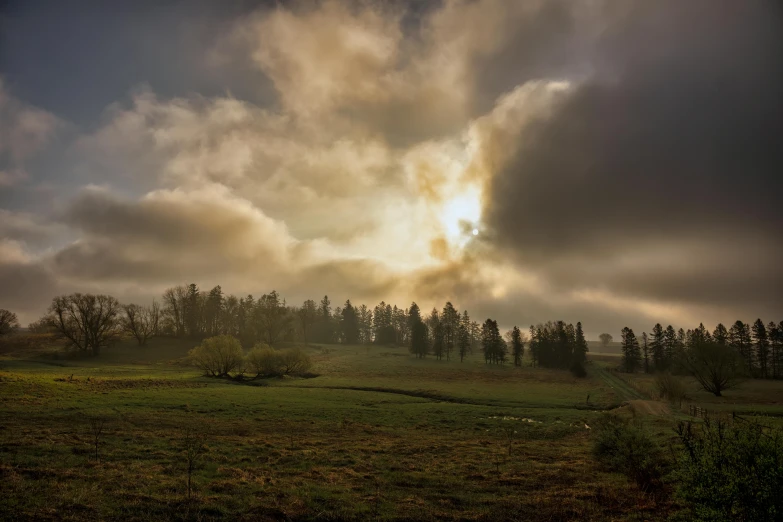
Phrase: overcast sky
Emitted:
{"points": [[611, 162]]}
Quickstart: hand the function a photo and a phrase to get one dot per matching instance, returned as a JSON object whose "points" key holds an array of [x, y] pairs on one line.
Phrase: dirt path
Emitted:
{"points": [[619, 386]]}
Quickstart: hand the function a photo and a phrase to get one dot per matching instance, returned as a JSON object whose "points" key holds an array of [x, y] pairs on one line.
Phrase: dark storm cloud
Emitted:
{"points": [[672, 143]]}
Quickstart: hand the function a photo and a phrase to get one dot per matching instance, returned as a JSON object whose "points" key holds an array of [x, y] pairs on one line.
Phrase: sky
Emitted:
{"points": [[614, 162]]}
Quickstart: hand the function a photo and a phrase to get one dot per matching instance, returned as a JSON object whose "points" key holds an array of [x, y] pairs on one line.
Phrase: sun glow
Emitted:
{"points": [[461, 214]]}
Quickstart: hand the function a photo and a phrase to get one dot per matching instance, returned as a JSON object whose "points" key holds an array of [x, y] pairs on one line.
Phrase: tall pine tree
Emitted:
{"points": [[632, 357]]}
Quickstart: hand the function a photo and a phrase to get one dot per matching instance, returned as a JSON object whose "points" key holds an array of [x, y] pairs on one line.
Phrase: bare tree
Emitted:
{"points": [[174, 309], [8, 322], [86, 322], [717, 367], [141, 321]]}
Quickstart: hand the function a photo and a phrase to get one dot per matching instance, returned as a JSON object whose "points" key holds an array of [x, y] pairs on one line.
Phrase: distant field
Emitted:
{"points": [[377, 435], [598, 347]]}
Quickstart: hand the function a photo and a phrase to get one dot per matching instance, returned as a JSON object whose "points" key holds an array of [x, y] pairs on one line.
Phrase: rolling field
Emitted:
{"points": [[376, 435]]}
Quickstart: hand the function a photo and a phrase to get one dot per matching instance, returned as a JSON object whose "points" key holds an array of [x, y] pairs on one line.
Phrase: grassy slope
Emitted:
{"points": [[378, 435]]}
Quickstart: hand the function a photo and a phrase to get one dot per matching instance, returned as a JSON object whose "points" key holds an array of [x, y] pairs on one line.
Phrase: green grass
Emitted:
{"points": [[377, 435]]}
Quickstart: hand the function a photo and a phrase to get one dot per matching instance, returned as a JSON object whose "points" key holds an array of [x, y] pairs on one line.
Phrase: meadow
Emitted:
{"points": [[372, 434]]}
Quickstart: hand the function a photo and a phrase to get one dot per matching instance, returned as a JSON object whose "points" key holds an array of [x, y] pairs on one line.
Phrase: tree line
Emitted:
{"points": [[88, 323], [719, 358]]}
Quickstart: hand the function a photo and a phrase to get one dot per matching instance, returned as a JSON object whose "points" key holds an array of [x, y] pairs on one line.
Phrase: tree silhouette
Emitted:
{"points": [[762, 346], [631, 359]]}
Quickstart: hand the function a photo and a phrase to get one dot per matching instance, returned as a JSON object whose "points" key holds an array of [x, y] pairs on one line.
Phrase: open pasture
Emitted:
{"points": [[375, 435]]}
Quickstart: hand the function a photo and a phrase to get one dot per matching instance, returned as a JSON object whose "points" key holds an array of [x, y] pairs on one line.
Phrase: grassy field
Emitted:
{"points": [[376, 435]]}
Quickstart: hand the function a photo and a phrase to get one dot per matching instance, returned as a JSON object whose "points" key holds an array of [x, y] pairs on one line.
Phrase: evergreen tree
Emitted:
{"points": [[775, 332], [213, 310], [517, 346], [193, 311], [323, 331], [467, 324], [273, 317], [365, 324], [631, 359], [383, 324], [740, 340], [646, 352], [336, 325], [492, 343], [350, 324], [720, 335], [701, 334], [418, 343], [657, 348], [535, 337], [245, 321], [761, 340], [682, 339], [670, 345], [435, 334], [580, 349], [463, 341], [449, 323], [307, 315]]}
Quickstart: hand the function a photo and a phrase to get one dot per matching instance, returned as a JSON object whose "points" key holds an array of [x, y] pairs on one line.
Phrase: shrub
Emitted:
{"points": [[578, 370], [218, 356], [670, 388], [628, 449], [264, 361], [731, 471], [295, 361]]}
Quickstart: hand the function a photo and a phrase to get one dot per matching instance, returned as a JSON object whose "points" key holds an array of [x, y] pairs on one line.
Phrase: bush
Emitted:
{"points": [[264, 361], [218, 356], [670, 388], [732, 471], [295, 362], [628, 449], [578, 370]]}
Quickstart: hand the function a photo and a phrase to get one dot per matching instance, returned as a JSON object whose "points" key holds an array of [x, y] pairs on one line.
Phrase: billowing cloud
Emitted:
{"points": [[659, 180], [611, 162]]}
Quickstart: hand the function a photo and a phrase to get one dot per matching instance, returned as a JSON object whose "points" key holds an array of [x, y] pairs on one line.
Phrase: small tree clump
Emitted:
{"points": [[218, 356]]}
